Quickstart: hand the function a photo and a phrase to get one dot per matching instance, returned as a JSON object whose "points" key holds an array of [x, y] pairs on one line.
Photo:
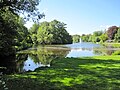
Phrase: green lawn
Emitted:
{"points": [[90, 73], [114, 45]]}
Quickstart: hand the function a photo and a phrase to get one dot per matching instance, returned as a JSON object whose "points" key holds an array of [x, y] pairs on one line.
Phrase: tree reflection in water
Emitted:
{"points": [[43, 56], [106, 51], [35, 58]]}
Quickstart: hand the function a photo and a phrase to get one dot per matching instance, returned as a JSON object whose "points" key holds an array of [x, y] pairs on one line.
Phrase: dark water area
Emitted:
{"points": [[42, 56]]}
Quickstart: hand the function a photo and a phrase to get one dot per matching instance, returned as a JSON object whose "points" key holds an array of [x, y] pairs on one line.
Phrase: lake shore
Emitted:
{"points": [[113, 45], [89, 73]]}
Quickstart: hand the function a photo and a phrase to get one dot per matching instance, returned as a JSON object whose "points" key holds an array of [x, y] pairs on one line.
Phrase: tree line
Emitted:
{"points": [[112, 34], [53, 32]]}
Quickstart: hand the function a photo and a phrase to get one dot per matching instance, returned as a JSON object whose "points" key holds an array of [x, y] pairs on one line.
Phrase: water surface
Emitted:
{"points": [[42, 56]]}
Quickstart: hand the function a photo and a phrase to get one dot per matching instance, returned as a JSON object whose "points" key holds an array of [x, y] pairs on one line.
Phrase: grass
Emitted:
{"points": [[114, 45], [90, 73]]}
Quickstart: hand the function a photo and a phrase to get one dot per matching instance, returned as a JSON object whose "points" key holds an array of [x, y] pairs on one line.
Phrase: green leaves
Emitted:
{"points": [[53, 32], [76, 38]]}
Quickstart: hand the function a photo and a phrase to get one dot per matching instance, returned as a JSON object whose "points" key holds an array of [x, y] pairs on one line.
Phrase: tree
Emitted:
{"points": [[44, 34], [97, 33], [85, 38], [111, 32], [22, 39], [9, 15], [76, 38], [33, 32], [103, 37], [117, 36], [26, 7], [53, 32], [60, 35], [8, 27]]}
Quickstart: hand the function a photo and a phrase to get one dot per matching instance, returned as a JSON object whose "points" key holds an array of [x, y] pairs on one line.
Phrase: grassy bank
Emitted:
{"points": [[92, 73], [114, 45]]}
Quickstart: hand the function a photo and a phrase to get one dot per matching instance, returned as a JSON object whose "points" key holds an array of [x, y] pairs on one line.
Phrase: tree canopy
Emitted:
{"points": [[26, 7], [53, 32], [76, 38], [111, 32], [12, 32]]}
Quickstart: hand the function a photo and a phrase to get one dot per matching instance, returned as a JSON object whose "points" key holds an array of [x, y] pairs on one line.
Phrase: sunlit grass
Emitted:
{"points": [[112, 57], [115, 45], [91, 73]]}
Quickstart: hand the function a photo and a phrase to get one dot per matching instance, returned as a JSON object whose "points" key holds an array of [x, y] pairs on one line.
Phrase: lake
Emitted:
{"points": [[42, 56]]}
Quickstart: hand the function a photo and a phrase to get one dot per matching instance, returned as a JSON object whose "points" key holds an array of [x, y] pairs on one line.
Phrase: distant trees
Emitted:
{"points": [[85, 38], [97, 33], [112, 34], [96, 36], [53, 32], [117, 35], [76, 38], [103, 37]]}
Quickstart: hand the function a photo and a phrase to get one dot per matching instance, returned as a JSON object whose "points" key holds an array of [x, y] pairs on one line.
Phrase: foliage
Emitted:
{"points": [[76, 38], [53, 32], [117, 36], [114, 45], [8, 31], [34, 28], [97, 33], [44, 35], [26, 7], [103, 37], [111, 32], [11, 32], [85, 38], [116, 53], [23, 39]]}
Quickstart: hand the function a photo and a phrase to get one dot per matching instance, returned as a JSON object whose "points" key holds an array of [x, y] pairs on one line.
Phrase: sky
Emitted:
{"points": [[82, 16]]}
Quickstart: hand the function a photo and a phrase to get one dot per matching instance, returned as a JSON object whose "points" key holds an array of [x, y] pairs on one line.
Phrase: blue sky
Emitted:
{"points": [[82, 16]]}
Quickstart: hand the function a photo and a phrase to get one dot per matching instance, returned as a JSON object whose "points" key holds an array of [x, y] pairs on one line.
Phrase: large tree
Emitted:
{"points": [[9, 16], [111, 32], [26, 7], [8, 27], [53, 32]]}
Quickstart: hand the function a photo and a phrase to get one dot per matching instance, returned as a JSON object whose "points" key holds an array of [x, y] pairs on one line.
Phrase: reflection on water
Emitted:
{"points": [[83, 45], [42, 56], [29, 64], [82, 49], [80, 53]]}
